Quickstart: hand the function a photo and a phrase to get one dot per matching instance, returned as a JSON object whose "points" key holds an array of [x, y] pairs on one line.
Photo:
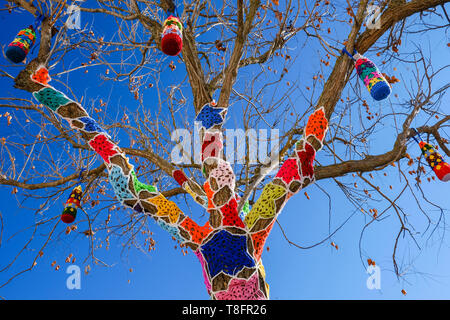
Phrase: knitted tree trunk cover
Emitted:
{"points": [[72, 205], [21, 45], [172, 36], [231, 254], [435, 160], [226, 255], [374, 81]]}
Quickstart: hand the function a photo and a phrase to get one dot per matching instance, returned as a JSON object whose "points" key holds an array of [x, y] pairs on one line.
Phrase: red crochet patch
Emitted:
{"points": [[307, 157], [289, 171], [103, 147], [230, 214], [179, 177], [211, 145]]}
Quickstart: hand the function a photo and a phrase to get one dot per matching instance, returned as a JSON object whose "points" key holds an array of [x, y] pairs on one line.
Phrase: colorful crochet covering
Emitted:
{"points": [[19, 48], [172, 36], [231, 254], [229, 246], [226, 254], [374, 81], [128, 189], [72, 205], [435, 160]]}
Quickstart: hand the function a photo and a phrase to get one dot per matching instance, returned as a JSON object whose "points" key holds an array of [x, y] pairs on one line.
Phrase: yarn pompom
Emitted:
{"points": [[72, 205], [374, 81], [172, 36], [21, 45]]}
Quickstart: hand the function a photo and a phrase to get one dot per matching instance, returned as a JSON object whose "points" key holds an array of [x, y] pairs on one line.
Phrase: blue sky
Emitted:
{"points": [[321, 272]]}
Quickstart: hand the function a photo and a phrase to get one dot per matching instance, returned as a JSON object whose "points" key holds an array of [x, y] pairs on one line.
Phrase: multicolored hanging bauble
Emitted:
{"points": [[172, 36], [368, 72], [435, 160], [72, 205], [19, 48]]}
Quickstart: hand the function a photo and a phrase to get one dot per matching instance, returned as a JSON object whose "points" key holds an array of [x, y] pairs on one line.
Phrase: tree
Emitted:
{"points": [[220, 42]]}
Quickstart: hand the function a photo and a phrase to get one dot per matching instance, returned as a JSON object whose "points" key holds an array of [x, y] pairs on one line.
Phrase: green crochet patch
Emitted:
{"points": [[139, 186]]}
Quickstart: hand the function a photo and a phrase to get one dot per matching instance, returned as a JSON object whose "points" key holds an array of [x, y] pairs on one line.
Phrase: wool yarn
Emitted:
{"points": [[172, 36], [18, 49], [374, 81], [435, 160], [72, 205]]}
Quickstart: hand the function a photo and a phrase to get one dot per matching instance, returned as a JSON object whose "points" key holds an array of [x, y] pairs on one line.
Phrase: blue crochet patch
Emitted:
{"points": [[90, 125], [171, 230], [119, 182], [227, 253], [210, 116]]}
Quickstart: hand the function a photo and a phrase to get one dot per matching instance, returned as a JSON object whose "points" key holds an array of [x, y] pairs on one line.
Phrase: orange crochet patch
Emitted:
{"points": [[259, 239], [209, 194], [197, 233], [317, 124], [166, 208], [41, 76]]}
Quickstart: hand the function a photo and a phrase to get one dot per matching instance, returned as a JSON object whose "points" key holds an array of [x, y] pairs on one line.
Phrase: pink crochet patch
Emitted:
{"points": [[205, 276], [241, 289], [224, 175]]}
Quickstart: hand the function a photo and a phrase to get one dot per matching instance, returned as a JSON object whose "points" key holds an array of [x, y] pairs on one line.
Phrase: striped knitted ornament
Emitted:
{"points": [[172, 36], [72, 204], [21, 45]]}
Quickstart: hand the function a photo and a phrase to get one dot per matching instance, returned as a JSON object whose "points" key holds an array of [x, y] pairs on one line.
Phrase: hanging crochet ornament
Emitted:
{"points": [[172, 36], [368, 72], [72, 205], [435, 160], [19, 48]]}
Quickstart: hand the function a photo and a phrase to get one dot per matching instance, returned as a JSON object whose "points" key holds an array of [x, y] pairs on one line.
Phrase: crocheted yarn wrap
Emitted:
{"points": [[374, 81], [18, 49], [172, 36]]}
